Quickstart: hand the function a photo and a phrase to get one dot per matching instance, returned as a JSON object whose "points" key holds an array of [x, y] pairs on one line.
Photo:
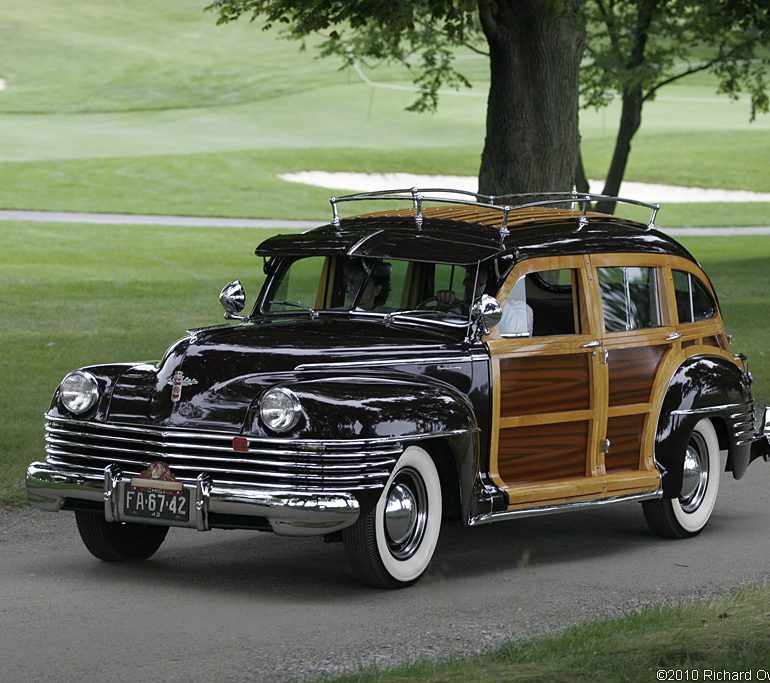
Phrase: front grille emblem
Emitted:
{"points": [[177, 381]]}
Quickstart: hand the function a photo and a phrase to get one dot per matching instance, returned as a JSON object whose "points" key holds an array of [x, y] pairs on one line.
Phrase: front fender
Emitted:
{"points": [[704, 386], [429, 412], [376, 407]]}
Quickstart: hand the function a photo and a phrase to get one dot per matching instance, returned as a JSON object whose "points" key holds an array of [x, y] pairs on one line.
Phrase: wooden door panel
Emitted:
{"points": [[625, 434], [632, 373], [533, 385], [542, 452]]}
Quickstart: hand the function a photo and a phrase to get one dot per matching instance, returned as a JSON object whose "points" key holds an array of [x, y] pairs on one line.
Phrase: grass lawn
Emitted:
{"points": [[700, 640], [153, 108]]}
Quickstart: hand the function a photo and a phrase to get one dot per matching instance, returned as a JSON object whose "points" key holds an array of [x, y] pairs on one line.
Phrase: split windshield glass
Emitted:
{"points": [[377, 286]]}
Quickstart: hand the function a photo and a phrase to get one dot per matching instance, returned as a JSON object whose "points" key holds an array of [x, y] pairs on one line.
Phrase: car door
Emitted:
{"points": [[548, 398], [638, 338]]}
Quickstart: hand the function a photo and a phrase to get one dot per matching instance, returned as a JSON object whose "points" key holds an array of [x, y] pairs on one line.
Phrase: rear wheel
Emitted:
{"points": [[116, 542], [392, 545], [686, 515]]}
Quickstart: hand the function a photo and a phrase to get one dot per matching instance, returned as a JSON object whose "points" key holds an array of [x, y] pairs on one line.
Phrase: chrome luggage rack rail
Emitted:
{"points": [[512, 201]]}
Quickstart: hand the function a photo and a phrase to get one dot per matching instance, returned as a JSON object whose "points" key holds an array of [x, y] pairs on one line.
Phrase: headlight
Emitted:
{"points": [[279, 409], [78, 392]]}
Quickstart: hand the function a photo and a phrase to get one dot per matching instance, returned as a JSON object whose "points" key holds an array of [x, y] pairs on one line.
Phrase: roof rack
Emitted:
{"points": [[573, 197], [513, 201]]}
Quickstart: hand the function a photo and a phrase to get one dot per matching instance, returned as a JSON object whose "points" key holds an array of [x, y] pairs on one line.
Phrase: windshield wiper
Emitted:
{"points": [[297, 304], [418, 313]]}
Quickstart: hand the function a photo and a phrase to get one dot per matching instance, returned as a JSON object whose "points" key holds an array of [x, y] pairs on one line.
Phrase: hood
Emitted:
{"points": [[210, 379]]}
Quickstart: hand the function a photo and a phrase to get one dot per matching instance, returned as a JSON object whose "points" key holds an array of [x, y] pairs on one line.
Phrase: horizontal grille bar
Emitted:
{"points": [[90, 447]]}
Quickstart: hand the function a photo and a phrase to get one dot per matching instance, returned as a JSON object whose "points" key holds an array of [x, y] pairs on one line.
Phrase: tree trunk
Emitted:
{"points": [[581, 182], [532, 137], [631, 112], [630, 120]]}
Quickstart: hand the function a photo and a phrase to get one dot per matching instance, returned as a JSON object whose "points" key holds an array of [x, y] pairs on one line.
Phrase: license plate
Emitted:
{"points": [[156, 502]]}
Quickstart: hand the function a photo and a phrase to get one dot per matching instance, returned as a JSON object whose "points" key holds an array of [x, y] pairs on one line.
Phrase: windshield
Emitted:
{"points": [[378, 286]]}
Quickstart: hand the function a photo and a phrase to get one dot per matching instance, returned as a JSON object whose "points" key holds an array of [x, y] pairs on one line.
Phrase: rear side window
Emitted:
{"points": [[693, 300], [629, 298]]}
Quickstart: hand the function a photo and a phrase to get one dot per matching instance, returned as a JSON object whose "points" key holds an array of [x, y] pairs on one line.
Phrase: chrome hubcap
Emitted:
{"points": [[696, 474], [406, 513]]}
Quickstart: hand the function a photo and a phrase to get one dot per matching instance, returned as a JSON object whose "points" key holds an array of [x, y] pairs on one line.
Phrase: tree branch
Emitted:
{"points": [[721, 57], [475, 49], [464, 43], [609, 22], [488, 21]]}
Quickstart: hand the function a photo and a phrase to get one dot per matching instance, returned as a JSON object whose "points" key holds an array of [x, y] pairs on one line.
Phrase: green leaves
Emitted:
{"points": [[682, 38], [423, 36]]}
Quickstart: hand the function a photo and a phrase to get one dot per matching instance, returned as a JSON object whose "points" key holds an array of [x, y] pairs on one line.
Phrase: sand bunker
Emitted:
{"points": [[646, 192]]}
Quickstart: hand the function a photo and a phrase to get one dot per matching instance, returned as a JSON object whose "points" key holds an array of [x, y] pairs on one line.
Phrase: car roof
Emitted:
{"points": [[464, 235]]}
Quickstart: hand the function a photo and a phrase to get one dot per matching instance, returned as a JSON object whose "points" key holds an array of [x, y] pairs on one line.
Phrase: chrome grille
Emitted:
{"points": [[278, 464]]}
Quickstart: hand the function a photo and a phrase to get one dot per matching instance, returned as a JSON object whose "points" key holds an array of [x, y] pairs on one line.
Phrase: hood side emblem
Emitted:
{"points": [[177, 381]]}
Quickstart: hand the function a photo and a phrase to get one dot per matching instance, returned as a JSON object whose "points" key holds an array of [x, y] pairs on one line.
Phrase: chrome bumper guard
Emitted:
{"points": [[289, 513]]}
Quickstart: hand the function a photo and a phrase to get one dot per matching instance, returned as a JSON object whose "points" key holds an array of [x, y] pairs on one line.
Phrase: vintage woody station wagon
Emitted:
{"points": [[451, 358]]}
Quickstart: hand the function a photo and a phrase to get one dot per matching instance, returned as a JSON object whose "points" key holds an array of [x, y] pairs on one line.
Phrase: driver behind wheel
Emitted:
{"points": [[446, 297], [367, 286]]}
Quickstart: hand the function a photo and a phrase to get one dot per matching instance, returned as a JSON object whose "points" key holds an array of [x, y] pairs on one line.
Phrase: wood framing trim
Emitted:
{"points": [[699, 336]]}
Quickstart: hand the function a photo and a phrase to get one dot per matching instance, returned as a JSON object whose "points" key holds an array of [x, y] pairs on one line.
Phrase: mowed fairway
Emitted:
{"points": [[151, 107]]}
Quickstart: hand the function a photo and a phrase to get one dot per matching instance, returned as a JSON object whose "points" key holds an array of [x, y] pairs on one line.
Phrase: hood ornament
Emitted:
{"points": [[177, 381]]}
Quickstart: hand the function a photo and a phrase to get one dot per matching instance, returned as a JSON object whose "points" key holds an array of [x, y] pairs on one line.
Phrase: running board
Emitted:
{"points": [[489, 517]]}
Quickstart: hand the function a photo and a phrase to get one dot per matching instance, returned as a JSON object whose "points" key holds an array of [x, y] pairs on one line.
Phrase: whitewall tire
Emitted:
{"points": [[392, 545], [686, 515]]}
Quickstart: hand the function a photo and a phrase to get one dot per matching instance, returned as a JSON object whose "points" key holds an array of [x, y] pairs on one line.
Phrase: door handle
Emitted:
{"points": [[673, 336], [592, 344]]}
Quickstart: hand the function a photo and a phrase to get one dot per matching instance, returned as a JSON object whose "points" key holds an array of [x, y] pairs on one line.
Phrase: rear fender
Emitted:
{"points": [[711, 387]]}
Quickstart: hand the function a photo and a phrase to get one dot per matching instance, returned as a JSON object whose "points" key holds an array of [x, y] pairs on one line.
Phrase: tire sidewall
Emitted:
{"points": [[693, 522], [410, 569]]}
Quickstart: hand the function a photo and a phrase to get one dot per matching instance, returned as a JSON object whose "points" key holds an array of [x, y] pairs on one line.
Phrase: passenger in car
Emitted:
{"points": [[517, 317]]}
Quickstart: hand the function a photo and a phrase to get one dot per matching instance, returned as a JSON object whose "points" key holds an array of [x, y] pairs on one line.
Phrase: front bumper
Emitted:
{"points": [[286, 512]]}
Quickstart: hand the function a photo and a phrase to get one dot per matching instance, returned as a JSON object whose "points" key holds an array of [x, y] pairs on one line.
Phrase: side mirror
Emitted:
{"points": [[488, 311], [233, 299]]}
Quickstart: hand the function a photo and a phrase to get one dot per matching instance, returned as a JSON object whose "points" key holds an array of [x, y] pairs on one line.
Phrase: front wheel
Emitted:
{"points": [[686, 515], [115, 542], [392, 545]]}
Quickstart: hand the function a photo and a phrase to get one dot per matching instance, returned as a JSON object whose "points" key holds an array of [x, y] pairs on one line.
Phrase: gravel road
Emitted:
{"points": [[248, 606]]}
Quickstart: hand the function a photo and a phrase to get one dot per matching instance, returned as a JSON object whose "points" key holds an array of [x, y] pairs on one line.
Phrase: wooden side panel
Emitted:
{"points": [[533, 385], [626, 435], [632, 373], [542, 452]]}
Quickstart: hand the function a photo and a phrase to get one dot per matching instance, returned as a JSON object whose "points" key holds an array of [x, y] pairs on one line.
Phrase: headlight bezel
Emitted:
{"points": [[85, 397], [290, 411]]}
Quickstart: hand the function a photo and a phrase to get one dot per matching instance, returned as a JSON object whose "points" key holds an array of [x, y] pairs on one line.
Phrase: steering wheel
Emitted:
{"points": [[423, 305]]}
